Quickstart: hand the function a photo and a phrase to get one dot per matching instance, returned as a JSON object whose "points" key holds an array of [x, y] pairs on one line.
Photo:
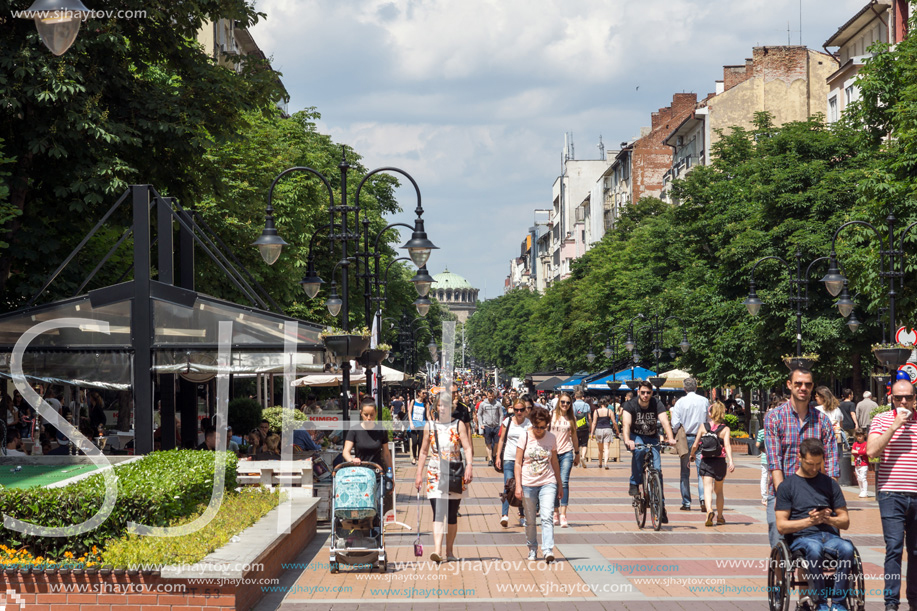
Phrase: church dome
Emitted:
{"points": [[448, 280]]}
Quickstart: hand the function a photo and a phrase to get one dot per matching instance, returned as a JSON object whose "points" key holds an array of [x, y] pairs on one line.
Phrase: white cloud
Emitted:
{"points": [[472, 98]]}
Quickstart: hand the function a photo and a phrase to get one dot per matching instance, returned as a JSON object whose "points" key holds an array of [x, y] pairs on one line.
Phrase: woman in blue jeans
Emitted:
{"points": [[538, 481], [563, 427], [514, 429]]}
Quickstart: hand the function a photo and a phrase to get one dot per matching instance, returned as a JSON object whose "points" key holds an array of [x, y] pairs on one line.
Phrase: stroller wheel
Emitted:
{"points": [[334, 568], [383, 566]]}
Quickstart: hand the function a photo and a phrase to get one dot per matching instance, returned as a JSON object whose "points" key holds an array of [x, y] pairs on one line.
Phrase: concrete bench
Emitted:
{"points": [[270, 473]]}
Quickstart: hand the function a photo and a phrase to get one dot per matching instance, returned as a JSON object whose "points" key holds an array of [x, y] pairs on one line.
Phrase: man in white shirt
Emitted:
{"points": [[689, 413], [13, 443]]}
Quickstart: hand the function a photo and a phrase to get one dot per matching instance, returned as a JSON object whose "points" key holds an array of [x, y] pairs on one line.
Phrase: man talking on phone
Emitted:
{"points": [[811, 512]]}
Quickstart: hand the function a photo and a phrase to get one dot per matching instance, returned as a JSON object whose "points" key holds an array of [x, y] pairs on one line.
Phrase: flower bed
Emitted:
{"points": [[156, 491]]}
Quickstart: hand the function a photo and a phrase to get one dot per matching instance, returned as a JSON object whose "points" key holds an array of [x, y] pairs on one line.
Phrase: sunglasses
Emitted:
{"points": [[539, 428], [646, 392], [907, 398], [565, 403]]}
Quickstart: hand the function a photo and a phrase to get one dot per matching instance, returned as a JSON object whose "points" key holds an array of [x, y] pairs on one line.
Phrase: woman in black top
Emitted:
{"points": [[367, 442]]}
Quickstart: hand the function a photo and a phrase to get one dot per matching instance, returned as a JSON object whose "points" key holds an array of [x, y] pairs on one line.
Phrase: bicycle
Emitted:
{"points": [[651, 496]]}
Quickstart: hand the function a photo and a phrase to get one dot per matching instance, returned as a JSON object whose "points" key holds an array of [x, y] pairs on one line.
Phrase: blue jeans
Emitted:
{"points": [[509, 467], [773, 535], [566, 465], [686, 475], [541, 495], [636, 463], [899, 526], [814, 547]]}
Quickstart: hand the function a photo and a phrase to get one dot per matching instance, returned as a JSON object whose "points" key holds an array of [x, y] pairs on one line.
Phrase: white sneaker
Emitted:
{"points": [[549, 557], [533, 555], [863, 495], [504, 521]]}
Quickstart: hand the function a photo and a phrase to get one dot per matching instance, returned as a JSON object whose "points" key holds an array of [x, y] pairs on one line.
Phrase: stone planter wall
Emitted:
{"points": [[197, 588]]}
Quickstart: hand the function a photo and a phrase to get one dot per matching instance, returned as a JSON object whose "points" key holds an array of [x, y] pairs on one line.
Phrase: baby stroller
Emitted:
{"points": [[357, 497]]}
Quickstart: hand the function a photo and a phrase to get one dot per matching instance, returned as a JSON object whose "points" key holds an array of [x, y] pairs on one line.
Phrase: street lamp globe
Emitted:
{"points": [[607, 352], [845, 304], [590, 356], [852, 323], [834, 280], [334, 305], [432, 347], [311, 283], [629, 343], [269, 243], [422, 281], [657, 352], [684, 345], [419, 246], [423, 305], [57, 22], [752, 303]]}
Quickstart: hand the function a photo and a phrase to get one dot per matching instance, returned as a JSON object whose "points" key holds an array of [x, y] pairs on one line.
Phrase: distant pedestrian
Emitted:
{"points": [[864, 410], [419, 417], [848, 412], [583, 413], [861, 462], [602, 424], [689, 413], [563, 427], [490, 412], [537, 473], [716, 458], [828, 404]]}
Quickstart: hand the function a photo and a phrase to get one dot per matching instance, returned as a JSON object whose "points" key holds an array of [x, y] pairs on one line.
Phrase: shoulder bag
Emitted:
{"points": [[455, 471]]}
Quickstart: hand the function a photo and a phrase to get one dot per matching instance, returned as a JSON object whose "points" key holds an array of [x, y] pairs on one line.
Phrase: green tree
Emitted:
{"points": [[501, 332], [132, 101]]}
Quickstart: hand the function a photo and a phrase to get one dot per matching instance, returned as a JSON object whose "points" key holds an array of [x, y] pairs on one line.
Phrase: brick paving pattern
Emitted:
{"points": [[603, 560]]}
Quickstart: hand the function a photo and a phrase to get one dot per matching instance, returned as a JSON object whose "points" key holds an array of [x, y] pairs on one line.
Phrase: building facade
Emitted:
{"points": [[455, 294], [878, 21]]}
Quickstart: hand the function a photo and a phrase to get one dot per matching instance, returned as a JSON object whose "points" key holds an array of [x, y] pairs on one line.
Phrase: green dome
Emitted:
{"points": [[448, 280]]}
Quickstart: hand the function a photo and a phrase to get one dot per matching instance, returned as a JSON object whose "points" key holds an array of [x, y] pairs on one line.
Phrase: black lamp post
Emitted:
{"points": [[344, 229], [893, 271], [799, 293]]}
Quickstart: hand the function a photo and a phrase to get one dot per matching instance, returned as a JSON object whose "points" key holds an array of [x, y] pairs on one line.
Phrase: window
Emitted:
{"points": [[832, 109], [849, 95]]}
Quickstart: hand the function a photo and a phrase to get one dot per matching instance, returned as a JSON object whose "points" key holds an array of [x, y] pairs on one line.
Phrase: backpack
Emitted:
{"points": [[710, 443]]}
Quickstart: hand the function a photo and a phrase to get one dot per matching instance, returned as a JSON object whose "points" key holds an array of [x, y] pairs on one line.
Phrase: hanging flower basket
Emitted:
{"points": [[892, 356], [656, 381], [346, 346], [804, 361], [372, 358]]}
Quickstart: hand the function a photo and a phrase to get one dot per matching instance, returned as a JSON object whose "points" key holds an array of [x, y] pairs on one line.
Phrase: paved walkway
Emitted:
{"points": [[604, 560]]}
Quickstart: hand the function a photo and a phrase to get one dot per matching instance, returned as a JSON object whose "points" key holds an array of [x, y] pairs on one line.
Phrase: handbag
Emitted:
{"points": [[509, 493], [418, 547], [455, 472]]}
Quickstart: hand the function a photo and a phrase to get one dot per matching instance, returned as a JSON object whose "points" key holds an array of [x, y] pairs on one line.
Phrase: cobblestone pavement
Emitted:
{"points": [[603, 560]]}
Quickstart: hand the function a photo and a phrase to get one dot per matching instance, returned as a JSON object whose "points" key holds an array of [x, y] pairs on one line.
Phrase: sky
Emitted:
{"points": [[473, 97]]}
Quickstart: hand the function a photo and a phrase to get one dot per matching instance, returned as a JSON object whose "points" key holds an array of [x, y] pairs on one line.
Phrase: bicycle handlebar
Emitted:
{"points": [[645, 446]]}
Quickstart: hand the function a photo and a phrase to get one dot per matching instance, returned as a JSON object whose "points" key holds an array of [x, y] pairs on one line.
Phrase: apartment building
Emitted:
{"points": [[878, 21]]}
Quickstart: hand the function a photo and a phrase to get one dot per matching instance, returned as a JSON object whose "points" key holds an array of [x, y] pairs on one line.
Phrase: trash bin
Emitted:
{"points": [[846, 466]]}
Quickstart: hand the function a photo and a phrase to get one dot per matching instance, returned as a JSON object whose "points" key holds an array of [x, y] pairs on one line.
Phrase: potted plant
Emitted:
{"points": [[346, 345], [656, 381], [803, 361], [892, 356], [374, 356]]}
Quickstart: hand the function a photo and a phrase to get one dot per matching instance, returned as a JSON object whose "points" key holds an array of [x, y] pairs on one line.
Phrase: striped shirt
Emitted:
{"points": [[898, 470], [783, 432]]}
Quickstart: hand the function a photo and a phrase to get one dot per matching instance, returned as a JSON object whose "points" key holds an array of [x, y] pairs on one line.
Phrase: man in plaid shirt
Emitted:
{"points": [[784, 429]]}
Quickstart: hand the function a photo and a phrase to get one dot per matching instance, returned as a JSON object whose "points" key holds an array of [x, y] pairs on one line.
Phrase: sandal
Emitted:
{"points": [[710, 519], [434, 557], [720, 520]]}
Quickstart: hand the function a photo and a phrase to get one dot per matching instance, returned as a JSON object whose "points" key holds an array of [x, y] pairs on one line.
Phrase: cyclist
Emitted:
{"points": [[642, 417]]}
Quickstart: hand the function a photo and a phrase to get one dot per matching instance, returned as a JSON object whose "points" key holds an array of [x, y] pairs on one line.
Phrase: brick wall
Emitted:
{"points": [[651, 158], [148, 591], [784, 63]]}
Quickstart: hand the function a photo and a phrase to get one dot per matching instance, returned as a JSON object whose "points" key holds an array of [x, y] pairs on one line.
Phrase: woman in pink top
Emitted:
{"points": [[538, 480], [563, 426]]}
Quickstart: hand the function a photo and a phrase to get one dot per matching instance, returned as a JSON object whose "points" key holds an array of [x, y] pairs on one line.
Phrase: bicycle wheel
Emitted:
{"points": [[640, 508], [654, 491]]}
